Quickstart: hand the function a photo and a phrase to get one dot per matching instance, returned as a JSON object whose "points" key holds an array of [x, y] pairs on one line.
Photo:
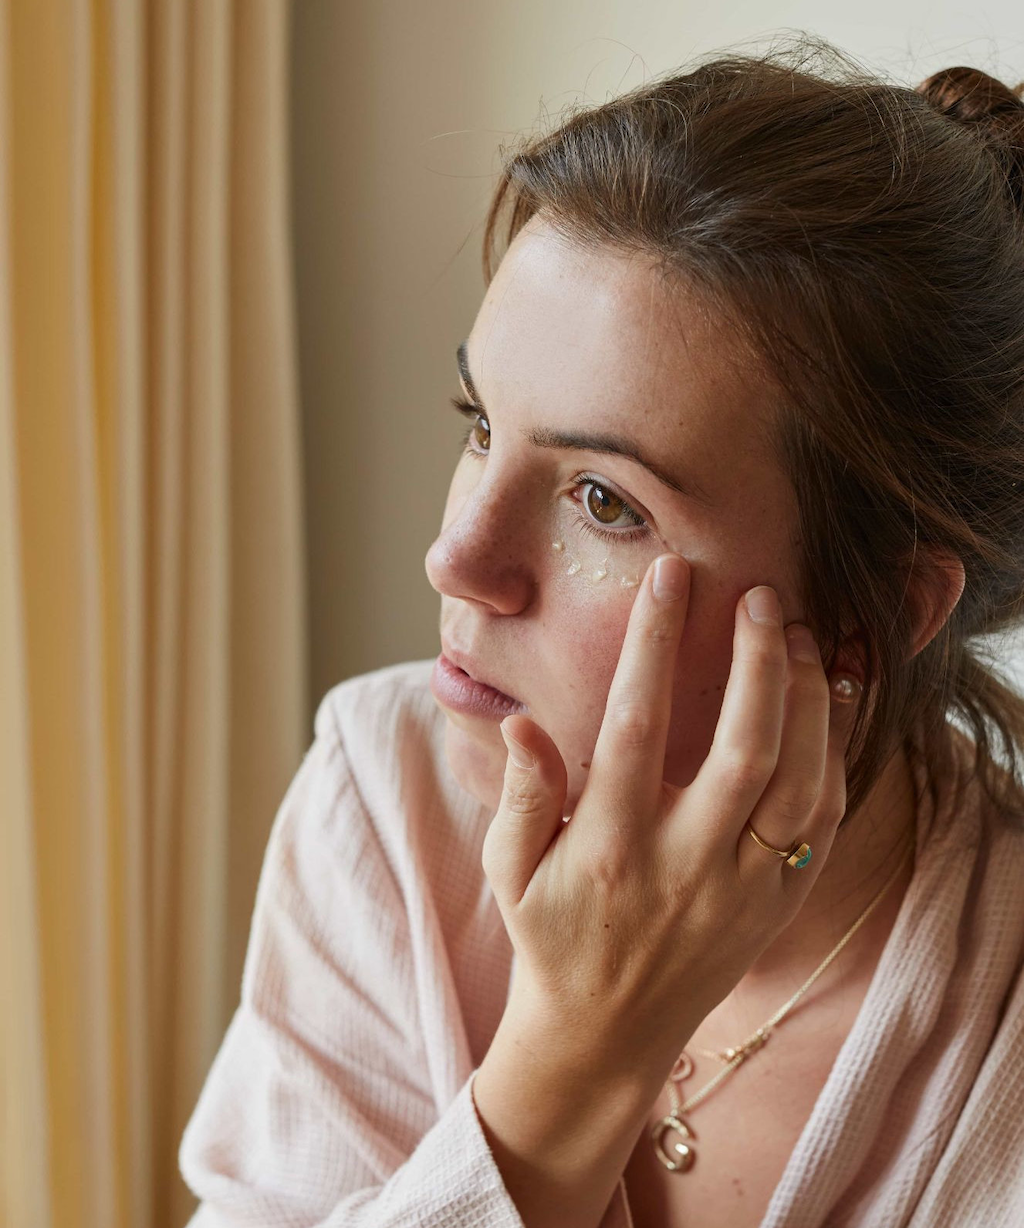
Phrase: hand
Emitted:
{"points": [[634, 919]]}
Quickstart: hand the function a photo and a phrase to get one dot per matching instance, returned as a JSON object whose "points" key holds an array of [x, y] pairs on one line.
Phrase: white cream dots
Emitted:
{"points": [[594, 572]]}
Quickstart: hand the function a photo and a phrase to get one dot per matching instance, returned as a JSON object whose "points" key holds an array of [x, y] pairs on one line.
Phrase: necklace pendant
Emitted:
{"points": [[682, 1155]]}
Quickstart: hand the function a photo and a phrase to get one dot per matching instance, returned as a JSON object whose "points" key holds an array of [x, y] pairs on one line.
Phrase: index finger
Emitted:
{"points": [[629, 758]]}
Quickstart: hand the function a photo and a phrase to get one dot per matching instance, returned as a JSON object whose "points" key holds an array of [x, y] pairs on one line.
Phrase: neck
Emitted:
{"points": [[864, 854]]}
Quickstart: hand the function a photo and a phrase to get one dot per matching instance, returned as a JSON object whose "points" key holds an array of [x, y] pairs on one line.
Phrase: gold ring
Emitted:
{"points": [[798, 856]]}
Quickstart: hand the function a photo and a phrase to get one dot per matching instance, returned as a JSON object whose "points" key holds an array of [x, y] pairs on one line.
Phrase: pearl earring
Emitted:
{"points": [[846, 689]]}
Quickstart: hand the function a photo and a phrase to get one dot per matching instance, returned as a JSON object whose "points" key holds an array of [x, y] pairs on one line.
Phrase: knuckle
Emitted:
{"points": [[519, 800], [768, 648], [792, 807], [770, 658], [833, 807], [633, 723], [799, 793], [765, 663], [656, 631], [747, 769], [609, 863]]}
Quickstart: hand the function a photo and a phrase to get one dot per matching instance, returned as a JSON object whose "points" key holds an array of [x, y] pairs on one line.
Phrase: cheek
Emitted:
{"points": [[586, 628], [585, 623]]}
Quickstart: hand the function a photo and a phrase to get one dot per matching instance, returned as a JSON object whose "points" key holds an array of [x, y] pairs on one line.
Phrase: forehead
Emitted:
{"points": [[597, 335]]}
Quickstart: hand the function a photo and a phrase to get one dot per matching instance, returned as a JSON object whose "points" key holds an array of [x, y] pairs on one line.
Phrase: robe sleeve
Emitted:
{"points": [[317, 1109]]}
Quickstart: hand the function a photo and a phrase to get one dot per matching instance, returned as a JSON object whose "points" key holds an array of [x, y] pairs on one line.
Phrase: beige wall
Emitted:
{"points": [[398, 110]]}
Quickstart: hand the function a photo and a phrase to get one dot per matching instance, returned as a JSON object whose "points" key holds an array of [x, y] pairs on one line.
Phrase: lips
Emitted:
{"points": [[469, 666]]}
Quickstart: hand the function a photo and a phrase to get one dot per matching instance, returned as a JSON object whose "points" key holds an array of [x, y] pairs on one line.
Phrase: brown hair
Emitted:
{"points": [[868, 238]]}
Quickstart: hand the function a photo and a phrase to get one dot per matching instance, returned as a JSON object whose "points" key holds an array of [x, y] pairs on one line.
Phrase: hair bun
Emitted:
{"points": [[990, 109], [972, 96]]}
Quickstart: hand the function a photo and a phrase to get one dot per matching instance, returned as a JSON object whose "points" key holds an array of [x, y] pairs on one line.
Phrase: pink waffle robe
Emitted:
{"points": [[378, 968]]}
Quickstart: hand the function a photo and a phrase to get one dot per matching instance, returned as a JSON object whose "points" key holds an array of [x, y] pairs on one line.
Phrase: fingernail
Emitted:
{"points": [[763, 606], [669, 577], [801, 642], [517, 752]]}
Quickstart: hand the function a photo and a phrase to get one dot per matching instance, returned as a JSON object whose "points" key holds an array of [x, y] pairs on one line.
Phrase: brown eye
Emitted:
{"points": [[481, 432], [602, 504]]}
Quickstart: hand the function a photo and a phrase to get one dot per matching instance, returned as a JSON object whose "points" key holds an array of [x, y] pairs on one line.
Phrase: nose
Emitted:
{"points": [[482, 554]]}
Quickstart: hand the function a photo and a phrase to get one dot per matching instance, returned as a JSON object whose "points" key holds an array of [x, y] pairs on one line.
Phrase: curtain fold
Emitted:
{"points": [[153, 657]]}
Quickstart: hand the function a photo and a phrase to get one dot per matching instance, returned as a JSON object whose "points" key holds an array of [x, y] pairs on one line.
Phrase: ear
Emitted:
{"points": [[936, 584]]}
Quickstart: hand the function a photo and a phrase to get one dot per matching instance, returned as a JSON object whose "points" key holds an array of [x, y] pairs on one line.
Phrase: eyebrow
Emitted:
{"points": [[586, 441]]}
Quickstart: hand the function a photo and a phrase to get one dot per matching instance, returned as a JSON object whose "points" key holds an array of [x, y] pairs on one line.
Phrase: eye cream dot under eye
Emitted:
{"points": [[597, 574]]}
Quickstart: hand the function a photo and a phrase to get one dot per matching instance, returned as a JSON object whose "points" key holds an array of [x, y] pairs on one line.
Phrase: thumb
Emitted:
{"points": [[529, 814]]}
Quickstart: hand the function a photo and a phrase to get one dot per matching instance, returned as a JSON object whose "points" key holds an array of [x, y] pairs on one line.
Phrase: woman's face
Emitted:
{"points": [[575, 342]]}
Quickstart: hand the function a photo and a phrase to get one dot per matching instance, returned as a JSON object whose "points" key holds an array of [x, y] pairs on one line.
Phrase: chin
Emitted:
{"points": [[477, 765]]}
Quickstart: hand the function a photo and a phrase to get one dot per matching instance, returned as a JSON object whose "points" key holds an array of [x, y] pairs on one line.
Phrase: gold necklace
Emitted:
{"points": [[733, 1058]]}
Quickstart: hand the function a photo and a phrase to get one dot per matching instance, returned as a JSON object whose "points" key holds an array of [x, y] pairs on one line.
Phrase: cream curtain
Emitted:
{"points": [[153, 694]]}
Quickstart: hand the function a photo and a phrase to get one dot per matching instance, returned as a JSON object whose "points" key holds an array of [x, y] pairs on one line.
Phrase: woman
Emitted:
{"points": [[674, 892]]}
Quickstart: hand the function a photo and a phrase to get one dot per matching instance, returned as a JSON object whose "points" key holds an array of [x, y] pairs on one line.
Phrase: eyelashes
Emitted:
{"points": [[584, 522], [587, 525]]}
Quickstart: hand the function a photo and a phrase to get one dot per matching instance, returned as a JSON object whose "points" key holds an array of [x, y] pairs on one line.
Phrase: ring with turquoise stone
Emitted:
{"points": [[798, 856]]}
